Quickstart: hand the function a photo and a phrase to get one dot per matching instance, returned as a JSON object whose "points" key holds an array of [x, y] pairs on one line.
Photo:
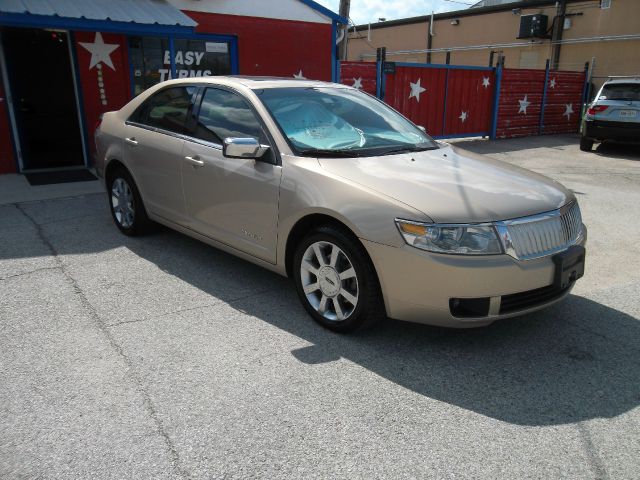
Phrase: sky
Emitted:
{"points": [[365, 11]]}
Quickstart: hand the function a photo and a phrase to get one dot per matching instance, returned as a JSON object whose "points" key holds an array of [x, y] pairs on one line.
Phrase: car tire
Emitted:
{"points": [[586, 144], [336, 281], [125, 203]]}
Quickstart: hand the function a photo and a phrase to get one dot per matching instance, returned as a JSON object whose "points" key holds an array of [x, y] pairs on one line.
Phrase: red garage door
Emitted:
{"points": [[449, 101], [527, 108], [563, 103], [360, 75]]}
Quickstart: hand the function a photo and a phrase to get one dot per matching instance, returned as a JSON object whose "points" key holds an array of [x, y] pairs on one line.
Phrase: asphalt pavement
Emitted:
{"points": [[161, 357]]}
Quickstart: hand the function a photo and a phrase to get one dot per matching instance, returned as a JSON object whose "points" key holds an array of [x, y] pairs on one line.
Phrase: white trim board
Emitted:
{"points": [[277, 9]]}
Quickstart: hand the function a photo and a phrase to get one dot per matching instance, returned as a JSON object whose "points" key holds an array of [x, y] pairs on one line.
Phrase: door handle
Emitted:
{"points": [[195, 161], [131, 141]]}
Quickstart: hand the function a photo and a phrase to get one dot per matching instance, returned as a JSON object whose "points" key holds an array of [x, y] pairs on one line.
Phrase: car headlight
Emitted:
{"points": [[456, 239]]}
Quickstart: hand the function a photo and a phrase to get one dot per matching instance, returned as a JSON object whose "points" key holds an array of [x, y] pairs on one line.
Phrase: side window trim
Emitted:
{"points": [[159, 130]]}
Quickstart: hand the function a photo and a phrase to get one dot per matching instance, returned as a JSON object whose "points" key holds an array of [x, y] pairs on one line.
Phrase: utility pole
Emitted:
{"points": [[345, 7], [556, 36]]}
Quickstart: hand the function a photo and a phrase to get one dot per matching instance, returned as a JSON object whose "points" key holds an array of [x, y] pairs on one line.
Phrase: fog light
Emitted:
{"points": [[469, 307]]}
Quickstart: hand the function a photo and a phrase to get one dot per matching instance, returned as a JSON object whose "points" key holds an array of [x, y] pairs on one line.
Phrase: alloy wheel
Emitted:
{"points": [[329, 281], [122, 202]]}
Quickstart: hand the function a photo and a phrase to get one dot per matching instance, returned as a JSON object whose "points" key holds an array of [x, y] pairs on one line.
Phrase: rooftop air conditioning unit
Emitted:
{"points": [[533, 26]]}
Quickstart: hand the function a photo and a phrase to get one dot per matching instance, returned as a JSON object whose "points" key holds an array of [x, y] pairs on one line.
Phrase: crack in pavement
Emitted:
{"points": [[44, 200], [595, 462], [29, 272], [103, 328], [199, 307]]}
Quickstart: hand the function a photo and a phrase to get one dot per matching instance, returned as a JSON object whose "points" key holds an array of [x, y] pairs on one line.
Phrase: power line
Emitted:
{"points": [[462, 3]]}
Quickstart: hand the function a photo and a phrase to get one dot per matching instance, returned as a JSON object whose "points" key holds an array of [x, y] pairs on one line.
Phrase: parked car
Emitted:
{"points": [[614, 114], [328, 185]]}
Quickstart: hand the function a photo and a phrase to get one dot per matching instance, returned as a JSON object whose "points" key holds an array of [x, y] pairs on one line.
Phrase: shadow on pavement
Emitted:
{"points": [[618, 150], [485, 146], [576, 361]]}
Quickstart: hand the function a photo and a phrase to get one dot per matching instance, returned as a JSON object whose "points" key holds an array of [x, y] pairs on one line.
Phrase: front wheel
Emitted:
{"points": [[336, 281], [586, 144]]}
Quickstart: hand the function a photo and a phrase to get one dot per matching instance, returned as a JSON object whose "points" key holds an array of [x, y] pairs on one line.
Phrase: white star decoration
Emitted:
{"points": [[357, 83], [100, 51], [552, 83], [463, 116], [523, 105], [299, 75], [568, 110], [485, 82], [416, 90]]}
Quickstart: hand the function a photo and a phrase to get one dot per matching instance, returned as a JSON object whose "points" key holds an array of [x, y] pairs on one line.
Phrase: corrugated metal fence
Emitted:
{"points": [[362, 75], [463, 101], [449, 101]]}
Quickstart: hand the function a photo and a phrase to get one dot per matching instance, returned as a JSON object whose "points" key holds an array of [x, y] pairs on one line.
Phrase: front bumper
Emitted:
{"points": [[618, 131], [422, 287]]}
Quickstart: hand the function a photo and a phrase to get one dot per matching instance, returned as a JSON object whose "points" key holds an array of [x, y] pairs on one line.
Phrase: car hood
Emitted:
{"points": [[450, 185]]}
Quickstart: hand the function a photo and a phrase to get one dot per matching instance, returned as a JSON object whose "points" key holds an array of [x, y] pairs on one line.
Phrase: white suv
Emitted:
{"points": [[614, 114]]}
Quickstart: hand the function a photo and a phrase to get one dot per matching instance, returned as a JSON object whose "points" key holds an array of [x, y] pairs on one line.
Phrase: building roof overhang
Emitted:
{"points": [[326, 12], [149, 17]]}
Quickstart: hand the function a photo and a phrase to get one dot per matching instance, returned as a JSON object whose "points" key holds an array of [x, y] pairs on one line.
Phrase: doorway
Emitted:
{"points": [[38, 64]]}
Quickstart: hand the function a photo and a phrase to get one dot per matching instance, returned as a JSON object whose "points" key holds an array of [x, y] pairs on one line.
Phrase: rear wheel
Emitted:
{"points": [[127, 209], [586, 144], [336, 281]]}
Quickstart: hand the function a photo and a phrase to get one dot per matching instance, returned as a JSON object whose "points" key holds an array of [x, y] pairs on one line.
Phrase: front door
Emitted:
{"points": [[232, 200], [44, 100]]}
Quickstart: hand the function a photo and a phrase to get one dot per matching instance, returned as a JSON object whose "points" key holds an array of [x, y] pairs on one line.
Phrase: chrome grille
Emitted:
{"points": [[541, 235]]}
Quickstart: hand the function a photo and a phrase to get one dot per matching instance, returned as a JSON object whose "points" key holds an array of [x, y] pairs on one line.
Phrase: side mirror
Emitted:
{"points": [[422, 128], [243, 148]]}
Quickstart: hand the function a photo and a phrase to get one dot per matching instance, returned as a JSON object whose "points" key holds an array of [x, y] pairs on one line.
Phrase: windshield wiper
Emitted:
{"points": [[408, 149], [328, 153]]}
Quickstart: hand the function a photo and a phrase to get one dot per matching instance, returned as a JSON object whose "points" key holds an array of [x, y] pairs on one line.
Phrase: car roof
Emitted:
{"points": [[623, 80], [257, 82]]}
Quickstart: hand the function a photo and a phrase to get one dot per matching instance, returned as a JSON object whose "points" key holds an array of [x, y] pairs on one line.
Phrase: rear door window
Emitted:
{"points": [[168, 109]]}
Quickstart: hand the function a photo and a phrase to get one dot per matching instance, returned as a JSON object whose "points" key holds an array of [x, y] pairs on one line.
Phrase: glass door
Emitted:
{"points": [[194, 57]]}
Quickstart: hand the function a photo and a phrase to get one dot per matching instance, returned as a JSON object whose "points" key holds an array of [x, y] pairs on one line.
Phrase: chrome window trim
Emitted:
{"points": [[203, 142], [181, 136]]}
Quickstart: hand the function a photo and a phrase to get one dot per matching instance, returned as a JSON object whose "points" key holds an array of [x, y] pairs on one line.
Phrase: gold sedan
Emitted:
{"points": [[325, 184]]}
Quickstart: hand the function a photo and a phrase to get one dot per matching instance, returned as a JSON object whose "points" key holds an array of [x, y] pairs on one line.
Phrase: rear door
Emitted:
{"points": [[232, 200], [154, 139]]}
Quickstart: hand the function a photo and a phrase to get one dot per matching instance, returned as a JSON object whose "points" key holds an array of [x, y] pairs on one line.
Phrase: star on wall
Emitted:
{"points": [[463, 116], [357, 83], [552, 83], [485, 82], [299, 75], [416, 90], [524, 103], [568, 110], [100, 51]]}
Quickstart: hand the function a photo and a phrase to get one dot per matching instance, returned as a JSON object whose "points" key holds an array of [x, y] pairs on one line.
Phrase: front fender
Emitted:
{"points": [[307, 189]]}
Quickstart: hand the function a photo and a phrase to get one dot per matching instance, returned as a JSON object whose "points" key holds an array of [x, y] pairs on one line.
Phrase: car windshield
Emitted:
{"points": [[621, 91], [341, 122]]}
